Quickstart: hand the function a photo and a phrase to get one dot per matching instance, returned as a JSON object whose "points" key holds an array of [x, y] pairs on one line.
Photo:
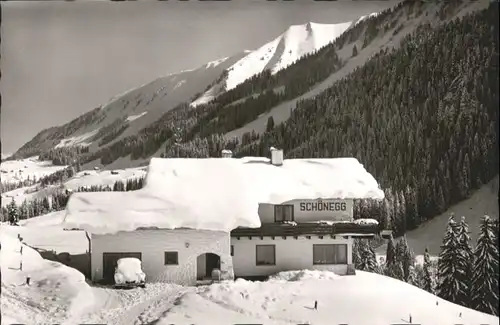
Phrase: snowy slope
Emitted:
{"points": [[295, 42], [364, 299], [19, 170], [133, 109], [430, 234], [58, 295], [86, 178], [281, 112]]}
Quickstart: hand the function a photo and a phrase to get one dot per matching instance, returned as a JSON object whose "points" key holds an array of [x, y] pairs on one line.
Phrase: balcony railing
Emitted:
{"points": [[301, 229]]}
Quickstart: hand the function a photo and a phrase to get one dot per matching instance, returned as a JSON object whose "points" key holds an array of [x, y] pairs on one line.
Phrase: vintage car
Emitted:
{"points": [[129, 274]]}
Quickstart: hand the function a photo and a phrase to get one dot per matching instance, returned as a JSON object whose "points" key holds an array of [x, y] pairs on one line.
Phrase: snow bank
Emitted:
{"points": [[364, 299], [47, 233], [55, 291], [366, 222], [304, 275], [217, 194]]}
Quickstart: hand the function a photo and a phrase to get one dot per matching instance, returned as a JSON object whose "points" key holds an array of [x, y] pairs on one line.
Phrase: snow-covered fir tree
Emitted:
{"points": [[390, 252], [484, 289], [419, 276], [468, 260], [405, 257], [451, 266], [13, 212], [367, 257], [23, 210], [394, 270], [428, 276], [356, 257]]}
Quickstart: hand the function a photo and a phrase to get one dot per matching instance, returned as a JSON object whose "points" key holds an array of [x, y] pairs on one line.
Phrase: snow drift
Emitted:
{"points": [[55, 290]]}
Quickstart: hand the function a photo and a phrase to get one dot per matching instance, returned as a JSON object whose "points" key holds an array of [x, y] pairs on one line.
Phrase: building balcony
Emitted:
{"points": [[316, 229]]}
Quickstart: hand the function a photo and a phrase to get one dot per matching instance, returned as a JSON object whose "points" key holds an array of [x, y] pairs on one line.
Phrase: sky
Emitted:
{"points": [[62, 59]]}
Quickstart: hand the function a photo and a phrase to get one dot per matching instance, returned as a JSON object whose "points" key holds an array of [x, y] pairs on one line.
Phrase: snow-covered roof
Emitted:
{"points": [[217, 194]]}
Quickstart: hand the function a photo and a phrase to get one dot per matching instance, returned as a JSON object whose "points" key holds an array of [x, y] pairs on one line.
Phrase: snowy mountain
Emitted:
{"points": [[138, 124], [294, 43], [131, 111], [127, 113]]}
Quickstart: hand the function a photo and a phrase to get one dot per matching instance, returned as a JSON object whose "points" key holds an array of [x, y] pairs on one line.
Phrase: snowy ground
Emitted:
{"points": [[86, 178], [58, 294], [18, 170]]}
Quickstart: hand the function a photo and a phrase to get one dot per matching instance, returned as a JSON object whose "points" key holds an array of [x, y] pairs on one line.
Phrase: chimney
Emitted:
{"points": [[227, 153], [276, 157]]}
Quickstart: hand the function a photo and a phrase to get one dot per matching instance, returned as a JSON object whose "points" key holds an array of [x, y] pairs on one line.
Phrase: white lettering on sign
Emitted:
{"points": [[323, 206]]}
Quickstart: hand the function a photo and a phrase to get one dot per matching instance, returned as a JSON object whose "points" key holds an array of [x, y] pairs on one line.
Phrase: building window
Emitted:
{"points": [[283, 212], [324, 254], [171, 258], [265, 255], [232, 250]]}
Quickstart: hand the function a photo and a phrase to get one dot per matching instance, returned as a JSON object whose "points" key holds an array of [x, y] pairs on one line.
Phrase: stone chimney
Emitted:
{"points": [[227, 153], [276, 157]]}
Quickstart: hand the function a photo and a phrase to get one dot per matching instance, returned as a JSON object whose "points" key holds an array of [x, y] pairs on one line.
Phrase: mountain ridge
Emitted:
{"points": [[295, 42], [370, 34], [108, 122]]}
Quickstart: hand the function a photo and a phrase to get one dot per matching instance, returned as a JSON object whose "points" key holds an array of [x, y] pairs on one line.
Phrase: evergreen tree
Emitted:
{"points": [[468, 260], [428, 276], [12, 211], [55, 203], [45, 205], [270, 124], [485, 282], [368, 258], [390, 252], [451, 266], [356, 256], [404, 256], [354, 50], [23, 210], [413, 276], [395, 270]]}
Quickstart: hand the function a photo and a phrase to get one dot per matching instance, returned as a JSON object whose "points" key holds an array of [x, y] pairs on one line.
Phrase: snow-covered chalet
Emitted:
{"points": [[248, 217]]}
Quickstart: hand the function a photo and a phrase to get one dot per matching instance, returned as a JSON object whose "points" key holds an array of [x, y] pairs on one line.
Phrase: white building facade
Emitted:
{"points": [[181, 256], [260, 257], [299, 234]]}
